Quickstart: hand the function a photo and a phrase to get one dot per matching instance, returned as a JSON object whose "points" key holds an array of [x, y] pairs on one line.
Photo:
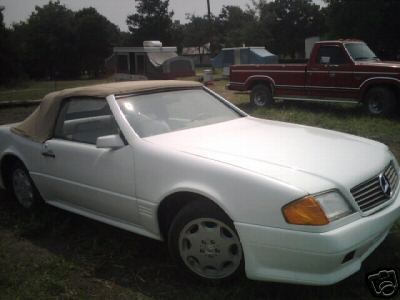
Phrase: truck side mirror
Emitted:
{"points": [[325, 60]]}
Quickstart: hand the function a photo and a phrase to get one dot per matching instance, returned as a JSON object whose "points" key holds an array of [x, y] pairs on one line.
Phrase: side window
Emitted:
{"points": [[84, 120], [330, 55]]}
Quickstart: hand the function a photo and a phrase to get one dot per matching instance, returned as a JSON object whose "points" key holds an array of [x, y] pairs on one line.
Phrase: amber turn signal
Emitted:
{"points": [[305, 211]]}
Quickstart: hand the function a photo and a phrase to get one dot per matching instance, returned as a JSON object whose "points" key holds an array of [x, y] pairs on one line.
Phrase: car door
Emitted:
{"points": [[78, 175], [330, 76]]}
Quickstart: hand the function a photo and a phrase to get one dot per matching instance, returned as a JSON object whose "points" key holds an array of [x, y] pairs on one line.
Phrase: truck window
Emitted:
{"points": [[360, 51], [330, 55]]}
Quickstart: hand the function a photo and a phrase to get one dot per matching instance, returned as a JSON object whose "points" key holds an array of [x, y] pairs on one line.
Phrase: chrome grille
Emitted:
{"points": [[369, 194]]}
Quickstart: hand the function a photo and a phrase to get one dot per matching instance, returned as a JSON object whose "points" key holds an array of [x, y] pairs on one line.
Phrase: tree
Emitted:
{"points": [[233, 27], [48, 42], [3, 49], [289, 23], [177, 35], [152, 21], [196, 32], [95, 36], [56, 42], [374, 21], [240, 27], [200, 31], [11, 70]]}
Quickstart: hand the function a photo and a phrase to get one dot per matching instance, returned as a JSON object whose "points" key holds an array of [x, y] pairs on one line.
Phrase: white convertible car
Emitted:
{"points": [[230, 193]]}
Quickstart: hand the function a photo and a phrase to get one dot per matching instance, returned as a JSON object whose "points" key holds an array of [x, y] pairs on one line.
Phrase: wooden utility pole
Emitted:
{"points": [[208, 10], [210, 27]]}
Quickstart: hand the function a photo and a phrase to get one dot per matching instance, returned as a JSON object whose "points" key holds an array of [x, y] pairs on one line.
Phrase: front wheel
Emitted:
{"points": [[380, 101], [203, 240], [261, 96]]}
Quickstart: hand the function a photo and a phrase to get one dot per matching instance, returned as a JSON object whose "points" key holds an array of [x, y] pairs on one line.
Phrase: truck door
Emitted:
{"points": [[328, 77]]}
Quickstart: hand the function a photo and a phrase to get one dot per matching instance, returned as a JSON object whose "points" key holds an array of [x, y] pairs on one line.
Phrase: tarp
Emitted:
{"points": [[240, 56], [39, 126], [158, 58], [261, 52]]}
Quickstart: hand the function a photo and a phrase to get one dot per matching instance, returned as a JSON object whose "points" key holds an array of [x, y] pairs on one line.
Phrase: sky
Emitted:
{"points": [[117, 10]]}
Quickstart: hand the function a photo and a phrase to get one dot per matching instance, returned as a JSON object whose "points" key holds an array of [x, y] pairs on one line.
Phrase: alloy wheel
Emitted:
{"points": [[23, 188], [210, 248]]}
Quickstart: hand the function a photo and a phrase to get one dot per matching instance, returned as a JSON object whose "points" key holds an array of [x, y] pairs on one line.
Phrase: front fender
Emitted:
{"points": [[243, 195], [374, 81], [206, 191]]}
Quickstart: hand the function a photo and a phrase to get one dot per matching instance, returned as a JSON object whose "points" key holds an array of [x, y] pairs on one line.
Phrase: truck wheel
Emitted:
{"points": [[204, 242], [261, 96], [379, 101]]}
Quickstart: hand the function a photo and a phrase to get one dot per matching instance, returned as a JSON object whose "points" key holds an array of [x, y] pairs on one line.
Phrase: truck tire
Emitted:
{"points": [[379, 101], [261, 96]]}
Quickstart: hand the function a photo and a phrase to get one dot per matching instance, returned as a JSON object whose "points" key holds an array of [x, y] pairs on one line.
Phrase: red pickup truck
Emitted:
{"points": [[338, 71]]}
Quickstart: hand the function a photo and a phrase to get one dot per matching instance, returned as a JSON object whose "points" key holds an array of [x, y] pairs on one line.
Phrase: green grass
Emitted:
{"points": [[345, 118], [53, 254], [34, 90], [28, 276], [349, 118]]}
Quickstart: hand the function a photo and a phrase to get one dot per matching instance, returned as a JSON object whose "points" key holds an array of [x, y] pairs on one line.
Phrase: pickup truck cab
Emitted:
{"points": [[338, 71]]}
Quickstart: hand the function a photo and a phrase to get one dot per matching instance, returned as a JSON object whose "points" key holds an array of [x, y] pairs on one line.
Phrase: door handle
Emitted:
{"points": [[49, 154], [46, 152]]}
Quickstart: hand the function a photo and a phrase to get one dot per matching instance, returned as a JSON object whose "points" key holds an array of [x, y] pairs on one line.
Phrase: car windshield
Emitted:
{"points": [[360, 51], [157, 113]]}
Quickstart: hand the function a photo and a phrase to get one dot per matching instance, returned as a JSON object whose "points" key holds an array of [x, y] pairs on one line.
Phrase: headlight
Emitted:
{"points": [[319, 209]]}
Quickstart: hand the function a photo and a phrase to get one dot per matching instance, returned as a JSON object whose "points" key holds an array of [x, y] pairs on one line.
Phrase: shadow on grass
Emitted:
{"points": [[143, 265]]}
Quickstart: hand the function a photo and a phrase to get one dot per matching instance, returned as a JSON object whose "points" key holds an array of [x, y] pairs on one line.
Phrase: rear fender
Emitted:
{"points": [[25, 150], [256, 79]]}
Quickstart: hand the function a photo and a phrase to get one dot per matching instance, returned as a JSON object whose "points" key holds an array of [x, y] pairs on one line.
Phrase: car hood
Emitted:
{"points": [[388, 65], [295, 154]]}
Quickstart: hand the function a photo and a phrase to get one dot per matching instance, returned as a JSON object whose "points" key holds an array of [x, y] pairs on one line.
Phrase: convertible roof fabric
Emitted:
{"points": [[40, 124]]}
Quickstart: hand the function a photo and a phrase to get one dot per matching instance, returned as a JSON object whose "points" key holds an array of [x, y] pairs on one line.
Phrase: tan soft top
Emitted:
{"points": [[40, 124]]}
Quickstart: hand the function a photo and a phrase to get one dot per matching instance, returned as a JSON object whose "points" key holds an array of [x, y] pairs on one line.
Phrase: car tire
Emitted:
{"points": [[380, 101], [261, 96], [23, 189], [203, 241]]}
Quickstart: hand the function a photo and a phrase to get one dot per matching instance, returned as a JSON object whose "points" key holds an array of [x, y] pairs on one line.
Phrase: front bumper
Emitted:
{"points": [[274, 254]]}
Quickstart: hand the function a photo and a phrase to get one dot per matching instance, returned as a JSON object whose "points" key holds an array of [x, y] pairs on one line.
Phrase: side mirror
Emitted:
{"points": [[110, 142], [325, 60]]}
